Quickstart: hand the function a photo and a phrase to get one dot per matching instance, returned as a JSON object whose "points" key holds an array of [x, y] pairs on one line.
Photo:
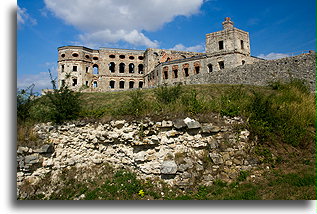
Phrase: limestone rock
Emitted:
{"points": [[179, 124], [169, 167]]}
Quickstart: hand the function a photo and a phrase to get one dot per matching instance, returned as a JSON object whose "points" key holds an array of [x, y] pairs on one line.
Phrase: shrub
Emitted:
{"points": [[191, 103], [65, 103], [234, 101], [134, 106], [25, 100], [168, 94]]}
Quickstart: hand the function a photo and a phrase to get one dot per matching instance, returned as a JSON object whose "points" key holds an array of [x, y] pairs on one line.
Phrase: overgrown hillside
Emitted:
{"points": [[280, 117]]}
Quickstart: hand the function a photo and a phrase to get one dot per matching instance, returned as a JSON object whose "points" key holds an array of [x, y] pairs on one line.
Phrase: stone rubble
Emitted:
{"points": [[167, 150]]}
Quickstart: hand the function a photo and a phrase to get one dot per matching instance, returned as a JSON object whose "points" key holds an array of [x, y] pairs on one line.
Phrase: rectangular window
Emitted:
{"points": [[74, 68], [220, 45], [63, 68], [86, 83], [242, 44], [221, 64], [87, 69]]}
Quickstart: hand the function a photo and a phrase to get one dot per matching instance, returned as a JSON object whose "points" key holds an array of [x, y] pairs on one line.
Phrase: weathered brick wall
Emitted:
{"points": [[263, 72]]}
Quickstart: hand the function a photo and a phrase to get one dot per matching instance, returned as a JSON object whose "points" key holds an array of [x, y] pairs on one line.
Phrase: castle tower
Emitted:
{"points": [[228, 41]]}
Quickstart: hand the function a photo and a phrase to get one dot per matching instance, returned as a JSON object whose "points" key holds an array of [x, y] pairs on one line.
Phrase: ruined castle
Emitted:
{"points": [[112, 69]]}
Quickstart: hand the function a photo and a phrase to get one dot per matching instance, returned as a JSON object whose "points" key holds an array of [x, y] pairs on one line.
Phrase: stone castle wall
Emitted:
{"points": [[263, 72], [181, 152]]}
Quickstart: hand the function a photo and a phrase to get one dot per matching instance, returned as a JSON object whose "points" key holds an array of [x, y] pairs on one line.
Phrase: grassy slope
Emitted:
{"points": [[281, 116]]}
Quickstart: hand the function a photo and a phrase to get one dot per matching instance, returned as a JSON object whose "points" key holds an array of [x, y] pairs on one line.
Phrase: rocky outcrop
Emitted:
{"points": [[168, 150]]}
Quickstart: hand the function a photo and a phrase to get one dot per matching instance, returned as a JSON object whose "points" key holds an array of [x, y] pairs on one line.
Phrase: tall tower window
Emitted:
{"points": [[220, 45], [63, 68], [242, 44]]}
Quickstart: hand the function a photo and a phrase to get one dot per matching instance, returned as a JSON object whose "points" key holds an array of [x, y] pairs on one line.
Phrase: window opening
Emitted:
{"points": [[140, 68], [140, 84], [197, 69], [96, 69], [95, 84], [186, 72], [112, 67], [175, 73], [121, 67], [242, 44], [131, 84], [74, 68], [220, 45], [210, 68], [74, 82], [221, 64], [131, 68], [112, 84], [121, 84]]}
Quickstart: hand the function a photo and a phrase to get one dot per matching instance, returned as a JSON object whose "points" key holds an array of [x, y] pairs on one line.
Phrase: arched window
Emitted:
{"points": [[112, 84], [131, 84], [112, 67], [121, 67], [96, 69], [140, 68], [95, 84], [121, 84], [131, 68], [210, 68]]}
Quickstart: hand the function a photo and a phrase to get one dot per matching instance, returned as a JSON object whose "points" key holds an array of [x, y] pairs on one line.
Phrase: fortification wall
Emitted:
{"points": [[263, 72]]}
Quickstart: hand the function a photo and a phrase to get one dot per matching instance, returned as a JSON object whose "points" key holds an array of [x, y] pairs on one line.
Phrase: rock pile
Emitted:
{"points": [[182, 152]]}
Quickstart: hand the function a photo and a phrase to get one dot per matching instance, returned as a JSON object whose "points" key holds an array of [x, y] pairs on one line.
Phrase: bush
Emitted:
{"points": [[134, 106], [233, 102], [286, 115], [168, 94], [25, 100], [65, 103], [191, 103]]}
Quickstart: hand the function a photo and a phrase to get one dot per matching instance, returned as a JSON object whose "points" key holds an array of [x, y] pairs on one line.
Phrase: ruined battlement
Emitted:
{"points": [[113, 69]]}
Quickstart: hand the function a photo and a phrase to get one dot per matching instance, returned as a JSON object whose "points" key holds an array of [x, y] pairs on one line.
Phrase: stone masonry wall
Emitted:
{"points": [[183, 152], [263, 72]]}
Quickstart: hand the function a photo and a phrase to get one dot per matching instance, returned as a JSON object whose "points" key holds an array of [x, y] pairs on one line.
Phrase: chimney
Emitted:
{"points": [[227, 24]]}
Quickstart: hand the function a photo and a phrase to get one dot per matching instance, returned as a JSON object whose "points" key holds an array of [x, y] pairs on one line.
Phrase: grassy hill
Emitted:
{"points": [[281, 117]]}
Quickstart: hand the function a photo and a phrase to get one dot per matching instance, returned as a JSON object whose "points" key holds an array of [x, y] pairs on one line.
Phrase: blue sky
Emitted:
{"points": [[277, 28]]}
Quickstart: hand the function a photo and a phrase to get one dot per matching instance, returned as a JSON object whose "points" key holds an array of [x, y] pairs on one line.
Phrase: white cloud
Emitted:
{"points": [[273, 56], [110, 21], [23, 17], [181, 47], [40, 80]]}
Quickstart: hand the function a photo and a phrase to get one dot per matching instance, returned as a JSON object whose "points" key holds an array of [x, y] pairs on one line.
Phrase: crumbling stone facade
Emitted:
{"points": [[111, 69]]}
